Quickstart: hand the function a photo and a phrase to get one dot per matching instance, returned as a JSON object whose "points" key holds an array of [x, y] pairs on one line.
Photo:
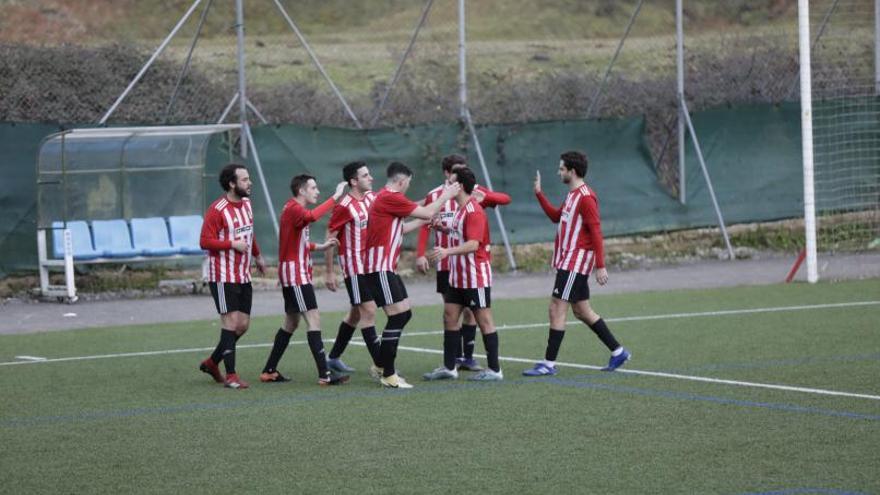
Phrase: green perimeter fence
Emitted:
{"points": [[753, 154]]}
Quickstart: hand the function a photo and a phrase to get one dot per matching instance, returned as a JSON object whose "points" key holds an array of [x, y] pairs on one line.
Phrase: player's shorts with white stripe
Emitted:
{"points": [[299, 298], [571, 286], [358, 289], [386, 288], [472, 298], [229, 297]]}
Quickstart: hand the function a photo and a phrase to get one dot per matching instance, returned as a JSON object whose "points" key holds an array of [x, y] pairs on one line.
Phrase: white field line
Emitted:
{"points": [[704, 379], [563, 364], [680, 315], [31, 358]]}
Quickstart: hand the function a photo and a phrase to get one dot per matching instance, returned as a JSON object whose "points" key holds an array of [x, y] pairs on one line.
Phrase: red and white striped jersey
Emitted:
{"points": [[447, 211], [294, 250], [471, 270], [385, 229], [227, 221], [579, 246], [349, 222]]}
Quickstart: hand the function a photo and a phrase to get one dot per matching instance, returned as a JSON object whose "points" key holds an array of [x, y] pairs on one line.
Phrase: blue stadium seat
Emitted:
{"points": [[150, 237], [185, 233], [113, 239], [80, 237]]}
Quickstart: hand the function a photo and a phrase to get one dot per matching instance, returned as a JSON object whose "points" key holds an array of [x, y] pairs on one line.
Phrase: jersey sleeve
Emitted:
{"points": [[475, 226], [492, 199], [551, 211], [339, 218], [210, 236], [314, 214], [589, 210], [399, 205]]}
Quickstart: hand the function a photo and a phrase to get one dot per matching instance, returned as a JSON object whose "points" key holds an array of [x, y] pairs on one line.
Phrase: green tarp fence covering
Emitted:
{"points": [[753, 155]]}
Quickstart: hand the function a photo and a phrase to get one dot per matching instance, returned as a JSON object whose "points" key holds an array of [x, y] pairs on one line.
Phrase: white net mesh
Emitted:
{"points": [[846, 125]]}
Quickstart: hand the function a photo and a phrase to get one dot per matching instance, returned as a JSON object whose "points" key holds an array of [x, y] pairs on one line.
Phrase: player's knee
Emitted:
{"points": [[399, 320]]}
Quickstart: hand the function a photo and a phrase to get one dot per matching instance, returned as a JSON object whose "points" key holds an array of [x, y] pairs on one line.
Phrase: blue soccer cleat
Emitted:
{"points": [[468, 364], [540, 369], [617, 361], [337, 365]]}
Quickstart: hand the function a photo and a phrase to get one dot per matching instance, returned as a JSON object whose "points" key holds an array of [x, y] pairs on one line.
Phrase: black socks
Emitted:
{"points": [[604, 334], [282, 338], [553, 343], [343, 336]]}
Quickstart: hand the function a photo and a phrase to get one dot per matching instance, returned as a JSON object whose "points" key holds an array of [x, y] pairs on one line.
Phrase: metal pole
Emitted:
{"points": [[257, 112], [819, 33], [462, 62], [877, 47], [501, 227], [186, 65], [807, 139], [406, 53], [679, 63], [150, 62], [314, 58], [595, 101], [250, 138], [242, 95], [696, 143], [228, 109]]}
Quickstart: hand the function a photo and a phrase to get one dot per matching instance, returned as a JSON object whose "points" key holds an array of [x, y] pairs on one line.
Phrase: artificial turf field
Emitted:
{"points": [[730, 391]]}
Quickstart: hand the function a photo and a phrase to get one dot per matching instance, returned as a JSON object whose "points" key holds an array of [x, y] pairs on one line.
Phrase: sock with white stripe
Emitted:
{"points": [[227, 342], [554, 341], [282, 338], [604, 334], [451, 342], [468, 340], [316, 345], [373, 343], [391, 339], [490, 341], [343, 336]]}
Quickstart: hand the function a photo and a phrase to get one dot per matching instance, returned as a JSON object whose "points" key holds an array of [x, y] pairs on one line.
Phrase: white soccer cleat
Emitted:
{"points": [[441, 373], [488, 375], [394, 381]]}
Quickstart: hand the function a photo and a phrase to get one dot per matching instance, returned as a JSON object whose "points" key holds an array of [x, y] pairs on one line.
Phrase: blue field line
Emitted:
{"points": [[710, 398], [815, 491], [777, 363], [590, 381]]}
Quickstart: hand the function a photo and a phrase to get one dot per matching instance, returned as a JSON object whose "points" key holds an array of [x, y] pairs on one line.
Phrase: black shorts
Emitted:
{"points": [[386, 288], [471, 298], [442, 281], [299, 298], [571, 286], [358, 289], [229, 297]]}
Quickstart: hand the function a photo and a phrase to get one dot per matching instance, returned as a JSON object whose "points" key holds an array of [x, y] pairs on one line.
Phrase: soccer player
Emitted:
{"points": [[384, 234], [487, 199], [470, 280], [348, 225], [295, 274], [228, 237], [578, 248]]}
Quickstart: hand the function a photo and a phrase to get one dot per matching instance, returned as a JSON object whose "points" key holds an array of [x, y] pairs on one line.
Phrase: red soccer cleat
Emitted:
{"points": [[208, 366], [233, 381]]}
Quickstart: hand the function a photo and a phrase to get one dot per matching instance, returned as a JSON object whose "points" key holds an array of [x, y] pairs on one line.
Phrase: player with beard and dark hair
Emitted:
{"points": [[578, 248], [348, 224], [228, 237]]}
